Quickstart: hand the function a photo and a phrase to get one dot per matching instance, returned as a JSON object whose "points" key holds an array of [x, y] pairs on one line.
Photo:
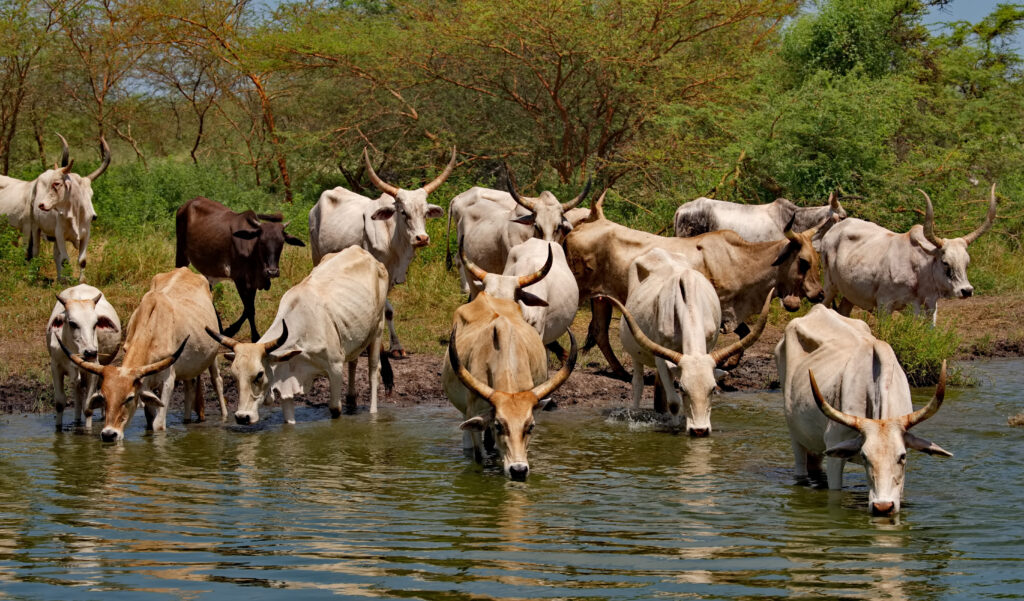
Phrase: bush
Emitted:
{"points": [[920, 348]]}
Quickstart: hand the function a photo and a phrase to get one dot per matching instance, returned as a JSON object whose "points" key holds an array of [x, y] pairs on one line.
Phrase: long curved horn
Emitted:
{"points": [[152, 368], [273, 345], [850, 421], [381, 184], [788, 230], [227, 341], [510, 185], [545, 388], [64, 153], [642, 339], [912, 419], [720, 355], [468, 379], [470, 266], [929, 222], [990, 218], [77, 359], [105, 151], [536, 276], [572, 204], [444, 175]]}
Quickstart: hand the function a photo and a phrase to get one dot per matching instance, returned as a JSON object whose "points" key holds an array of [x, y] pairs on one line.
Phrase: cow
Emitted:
{"points": [[876, 269], [222, 244], [846, 398], [68, 217], [88, 325], [323, 322], [165, 342], [673, 318], [755, 223], [490, 222], [558, 289], [391, 227], [600, 253]]}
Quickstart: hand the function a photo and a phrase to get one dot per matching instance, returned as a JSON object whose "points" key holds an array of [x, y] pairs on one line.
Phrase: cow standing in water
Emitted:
{"points": [[222, 244]]}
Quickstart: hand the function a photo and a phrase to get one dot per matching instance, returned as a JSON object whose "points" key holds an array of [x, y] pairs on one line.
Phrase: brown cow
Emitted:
{"points": [[600, 253], [223, 244]]}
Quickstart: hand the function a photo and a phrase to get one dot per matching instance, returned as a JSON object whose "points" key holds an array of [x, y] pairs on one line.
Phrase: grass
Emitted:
{"points": [[921, 348]]}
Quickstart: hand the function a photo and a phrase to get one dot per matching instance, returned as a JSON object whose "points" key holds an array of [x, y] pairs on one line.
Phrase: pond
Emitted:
{"points": [[387, 507]]}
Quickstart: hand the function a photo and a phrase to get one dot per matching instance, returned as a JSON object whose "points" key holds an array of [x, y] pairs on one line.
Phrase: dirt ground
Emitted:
{"points": [[989, 327]]}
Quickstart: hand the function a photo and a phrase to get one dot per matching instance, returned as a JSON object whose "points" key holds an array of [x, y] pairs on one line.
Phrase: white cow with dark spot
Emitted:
{"points": [[846, 398]]}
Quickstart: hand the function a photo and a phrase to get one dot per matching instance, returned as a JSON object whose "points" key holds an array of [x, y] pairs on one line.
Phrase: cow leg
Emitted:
{"points": [[834, 472], [397, 352], [82, 392], [558, 350], [845, 307], [58, 259], [159, 423], [334, 404], [799, 461], [600, 321], [660, 402], [60, 399], [671, 395], [190, 386], [92, 383], [199, 404], [218, 386], [638, 381], [350, 394], [374, 368], [288, 410]]}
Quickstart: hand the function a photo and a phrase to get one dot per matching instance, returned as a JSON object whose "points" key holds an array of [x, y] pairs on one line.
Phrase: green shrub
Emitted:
{"points": [[921, 348]]}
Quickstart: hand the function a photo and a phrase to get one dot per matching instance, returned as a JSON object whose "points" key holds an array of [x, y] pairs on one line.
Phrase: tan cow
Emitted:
{"points": [[496, 371], [600, 253], [166, 342]]}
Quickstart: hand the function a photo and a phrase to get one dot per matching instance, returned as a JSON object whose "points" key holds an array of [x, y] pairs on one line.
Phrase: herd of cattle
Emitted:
{"points": [[527, 264]]}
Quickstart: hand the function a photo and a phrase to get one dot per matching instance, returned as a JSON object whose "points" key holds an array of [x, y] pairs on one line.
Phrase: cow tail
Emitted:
{"points": [[386, 373], [447, 244], [181, 234]]}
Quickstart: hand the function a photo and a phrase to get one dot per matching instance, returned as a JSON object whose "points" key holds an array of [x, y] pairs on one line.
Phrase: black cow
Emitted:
{"points": [[224, 244]]}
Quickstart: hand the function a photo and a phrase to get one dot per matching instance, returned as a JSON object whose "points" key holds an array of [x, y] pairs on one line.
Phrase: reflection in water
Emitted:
{"points": [[386, 507]]}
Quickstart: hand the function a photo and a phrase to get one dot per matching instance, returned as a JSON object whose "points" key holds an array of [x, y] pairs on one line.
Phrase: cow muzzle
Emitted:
{"points": [[43, 207], [518, 471], [966, 292], [883, 508], [272, 272], [791, 302], [90, 354], [698, 432], [110, 435], [245, 418], [421, 240]]}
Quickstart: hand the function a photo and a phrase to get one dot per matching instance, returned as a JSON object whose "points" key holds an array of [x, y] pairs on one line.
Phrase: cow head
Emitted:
{"points": [[882, 446], [799, 269], [51, 190], [511, 415], [950, 257], [698, 373], [252, 365], [411, 209], [546, 215], [261, 241], [122, 390], [80, 323], [509, 287]]}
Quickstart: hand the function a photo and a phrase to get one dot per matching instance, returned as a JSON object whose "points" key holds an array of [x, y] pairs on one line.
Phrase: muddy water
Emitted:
{"points": [[387, 507]]}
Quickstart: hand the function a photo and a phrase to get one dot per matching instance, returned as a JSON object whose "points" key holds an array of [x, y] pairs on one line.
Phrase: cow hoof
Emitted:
{"points": [[398, 353], [335, 413], [351, 409]]}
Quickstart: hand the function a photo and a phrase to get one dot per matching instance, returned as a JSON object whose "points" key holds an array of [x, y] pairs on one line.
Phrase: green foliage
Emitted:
{"points": [[920, 348]]}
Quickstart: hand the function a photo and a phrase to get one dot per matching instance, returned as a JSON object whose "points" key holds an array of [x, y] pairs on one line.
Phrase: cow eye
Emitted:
{"points": [[528, 430], [74, 325], [804, 265], [902, 459], [498, 428], [258, 377]]}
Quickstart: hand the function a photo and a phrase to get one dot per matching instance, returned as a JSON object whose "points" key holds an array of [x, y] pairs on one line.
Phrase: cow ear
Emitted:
{"points": [[846, 449], [383, 214], [96, 401], [434, 212], [290, 239], [477, 423], [544, 405], [151, 400], [57, 322], [105, 323], [791, 248], [925, 446], [229, 356], [530, 300], [528, 219], [285, 357], [719, 374], [246, 234]]}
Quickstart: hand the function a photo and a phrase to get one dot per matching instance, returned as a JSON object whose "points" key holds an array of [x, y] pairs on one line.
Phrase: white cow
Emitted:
{"points": [[874, 268], [558, 288], [391, 227], [323, 323], [489, 223], [670, 307], [70, 217], [86, 324], [754, 223], [847, 398]]}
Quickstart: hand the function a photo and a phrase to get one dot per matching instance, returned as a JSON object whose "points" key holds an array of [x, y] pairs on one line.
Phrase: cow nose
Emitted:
{"points": [[882, 507], [967, 292], [820, 296], [90, 354], [108, 435], [518, 471], [243, 419], [700, 432], [422, 240], [273, 272]]}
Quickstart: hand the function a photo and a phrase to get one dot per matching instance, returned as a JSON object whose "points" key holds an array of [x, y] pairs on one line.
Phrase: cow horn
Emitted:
{"points": [[912, 419], [444, 175], [929, 222], [536, 276], [833, 202], [470, 266], [77, 359], [572, 204], [510, 185], [642, 339], [850, 421], [720, 355], [227, 341], [468, 379], [381, 184], [551, 384], [105, 151], [990, 218], [273, 345], [66, 169], [162, 364], [64, 153], [788, 230]]}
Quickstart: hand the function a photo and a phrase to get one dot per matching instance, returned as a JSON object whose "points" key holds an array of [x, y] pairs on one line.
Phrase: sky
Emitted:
{"points": [[966, 10]]}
